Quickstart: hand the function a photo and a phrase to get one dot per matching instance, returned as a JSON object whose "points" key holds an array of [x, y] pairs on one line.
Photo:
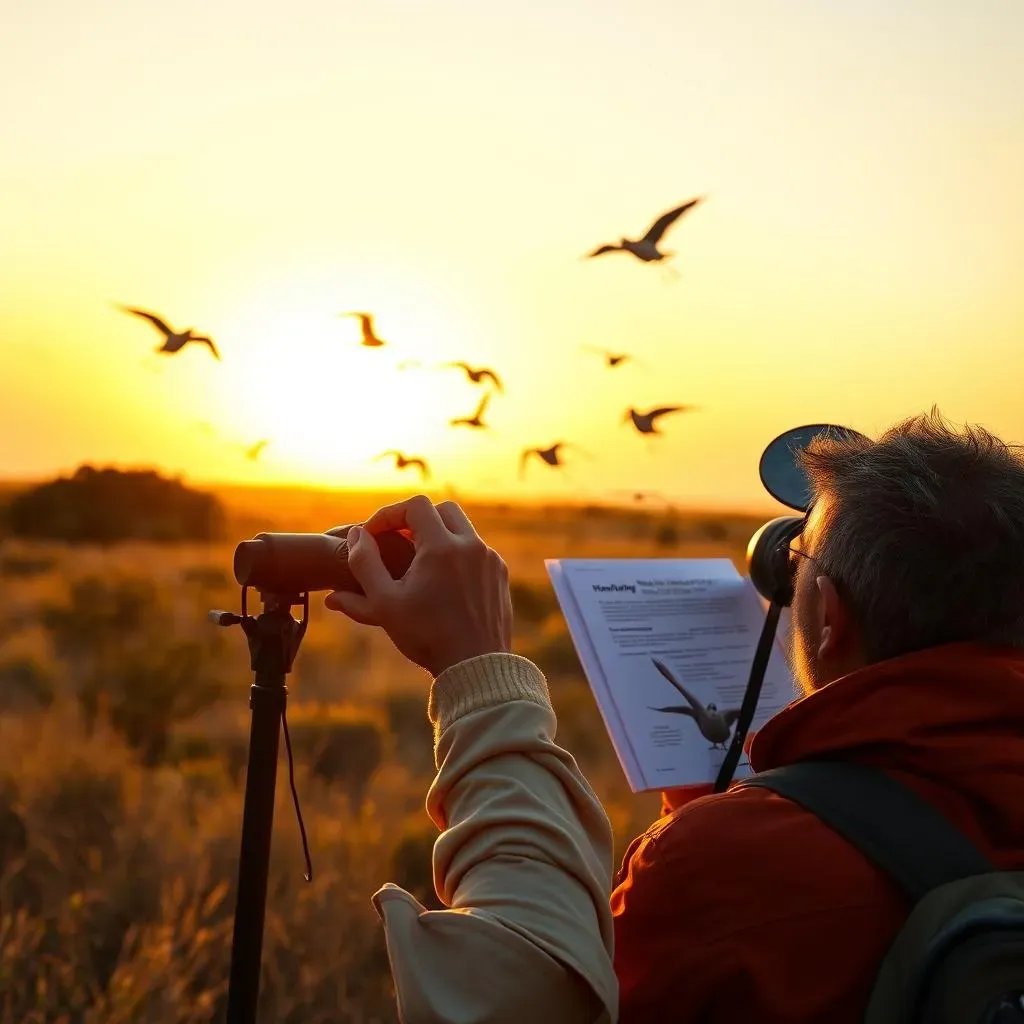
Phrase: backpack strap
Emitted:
{"points": [[891, 825]]}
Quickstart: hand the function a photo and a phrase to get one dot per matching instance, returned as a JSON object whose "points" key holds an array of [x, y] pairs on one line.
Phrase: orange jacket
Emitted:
{"points": [[743, 906]]}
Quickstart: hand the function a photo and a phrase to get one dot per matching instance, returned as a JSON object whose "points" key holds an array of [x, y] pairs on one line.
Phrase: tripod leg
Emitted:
{"points": [[254, 857]]}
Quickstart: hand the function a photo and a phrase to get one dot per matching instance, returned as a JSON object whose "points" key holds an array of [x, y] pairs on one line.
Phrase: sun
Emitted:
{"points": [[329, 406]]}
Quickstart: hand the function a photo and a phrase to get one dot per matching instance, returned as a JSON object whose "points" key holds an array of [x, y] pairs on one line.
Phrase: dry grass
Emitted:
{"points": [[116, 878]]}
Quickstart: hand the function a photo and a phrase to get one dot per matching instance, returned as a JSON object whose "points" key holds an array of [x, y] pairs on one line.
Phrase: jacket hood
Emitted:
{"points": [[950, 715]]}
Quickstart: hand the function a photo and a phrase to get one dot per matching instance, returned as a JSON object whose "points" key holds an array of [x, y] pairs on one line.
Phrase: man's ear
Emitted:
{"points": [[837, 631]]}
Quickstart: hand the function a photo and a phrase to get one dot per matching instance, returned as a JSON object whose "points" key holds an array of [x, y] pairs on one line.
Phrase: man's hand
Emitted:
{"points": [[453, 603]]}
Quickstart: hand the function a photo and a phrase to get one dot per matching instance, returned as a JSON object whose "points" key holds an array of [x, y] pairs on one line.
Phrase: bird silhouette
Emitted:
{"points": [[478, 375], [551, 456], [714, 725], [403, 462], [256, 450], [611, 359], [476, 420], [370, 339], [174, 341], [646, 248], [639, 497], [645, 421]]}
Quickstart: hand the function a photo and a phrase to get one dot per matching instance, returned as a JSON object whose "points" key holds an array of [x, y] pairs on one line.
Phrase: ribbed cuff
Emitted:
{"points": [[482, 682]]}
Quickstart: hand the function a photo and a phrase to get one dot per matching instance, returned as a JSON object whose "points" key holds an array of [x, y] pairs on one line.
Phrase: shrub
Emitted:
{"points": [[667, 535], [207, 577], [25, 566], [124, 658], [406, 715], [555, 654], [531, 603], [714, 529], [341, 746], [412, 866], [103, 506], [24, 685]]}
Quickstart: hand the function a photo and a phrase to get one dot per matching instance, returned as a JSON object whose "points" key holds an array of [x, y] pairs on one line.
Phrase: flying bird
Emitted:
{"points": [[256, 450], [641, 496], [370, 339], [646, 248], [611, 359], [478, 375], [402, 462], [714, 725], [645, 421], [174, 341], [476, 420], [552, 456]]}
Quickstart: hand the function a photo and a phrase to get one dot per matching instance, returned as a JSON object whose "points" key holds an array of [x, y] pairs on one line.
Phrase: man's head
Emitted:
{"points": [[913, 540]]}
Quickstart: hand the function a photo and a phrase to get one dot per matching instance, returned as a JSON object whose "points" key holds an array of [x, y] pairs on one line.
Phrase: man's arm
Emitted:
{"points": [[523, 863], [524, 859]]}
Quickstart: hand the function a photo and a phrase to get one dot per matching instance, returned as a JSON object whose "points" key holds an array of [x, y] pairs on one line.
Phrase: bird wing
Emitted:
{"points": [[676, 709], [460, 365], [483, 405], [665, 221], [203, 340], [492, 376], [524, 457], [687, 696], [602, 249], [731, 716], [421, 463], [151, 317], [365, 320], [384, 455], [664, 410]]}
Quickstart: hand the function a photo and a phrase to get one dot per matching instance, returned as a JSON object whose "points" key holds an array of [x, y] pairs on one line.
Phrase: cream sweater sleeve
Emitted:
{"points": [[523, 864]]}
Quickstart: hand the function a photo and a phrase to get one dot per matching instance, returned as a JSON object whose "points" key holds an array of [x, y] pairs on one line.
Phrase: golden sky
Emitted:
{"points": [[254, 169]]}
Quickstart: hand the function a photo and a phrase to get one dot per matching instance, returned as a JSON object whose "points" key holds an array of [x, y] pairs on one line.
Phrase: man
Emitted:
{"points": [[907, 638]]}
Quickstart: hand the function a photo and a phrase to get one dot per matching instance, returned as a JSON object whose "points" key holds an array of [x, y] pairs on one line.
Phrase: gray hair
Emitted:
{"points": [[924, 535]]}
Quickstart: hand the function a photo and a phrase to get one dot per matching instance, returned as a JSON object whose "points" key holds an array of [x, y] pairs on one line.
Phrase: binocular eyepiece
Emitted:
{"points": [[783, 477], [768, 561], [301, 563]]}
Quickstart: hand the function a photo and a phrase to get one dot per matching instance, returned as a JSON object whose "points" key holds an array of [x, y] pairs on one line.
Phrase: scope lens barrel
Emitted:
{"points": [[299, 563], [292, 563]]}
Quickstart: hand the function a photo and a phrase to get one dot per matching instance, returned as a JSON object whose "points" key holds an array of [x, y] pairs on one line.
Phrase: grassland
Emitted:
{"points": [[122, 748]]}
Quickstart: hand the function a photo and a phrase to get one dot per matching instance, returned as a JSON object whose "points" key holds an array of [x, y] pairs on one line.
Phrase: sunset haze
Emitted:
{"points": [[253, 171]]}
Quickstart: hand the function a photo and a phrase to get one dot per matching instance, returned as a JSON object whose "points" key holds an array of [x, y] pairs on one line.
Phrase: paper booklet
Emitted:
{"points": [[666, 645]]}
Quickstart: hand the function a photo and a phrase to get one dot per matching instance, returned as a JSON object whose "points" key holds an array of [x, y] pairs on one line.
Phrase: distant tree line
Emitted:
{"points": [[103, 506]]}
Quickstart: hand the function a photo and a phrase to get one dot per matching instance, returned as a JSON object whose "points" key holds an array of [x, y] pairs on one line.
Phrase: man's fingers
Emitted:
{"points": [[416, 514], [355, 606], [455, 519], [366, 564]]}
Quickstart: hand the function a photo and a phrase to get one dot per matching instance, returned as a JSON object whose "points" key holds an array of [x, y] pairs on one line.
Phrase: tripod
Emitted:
{"points": [[273, 638]]}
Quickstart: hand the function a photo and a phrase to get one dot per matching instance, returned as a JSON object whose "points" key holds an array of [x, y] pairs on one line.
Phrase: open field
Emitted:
{"points": [[123, 742]]}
